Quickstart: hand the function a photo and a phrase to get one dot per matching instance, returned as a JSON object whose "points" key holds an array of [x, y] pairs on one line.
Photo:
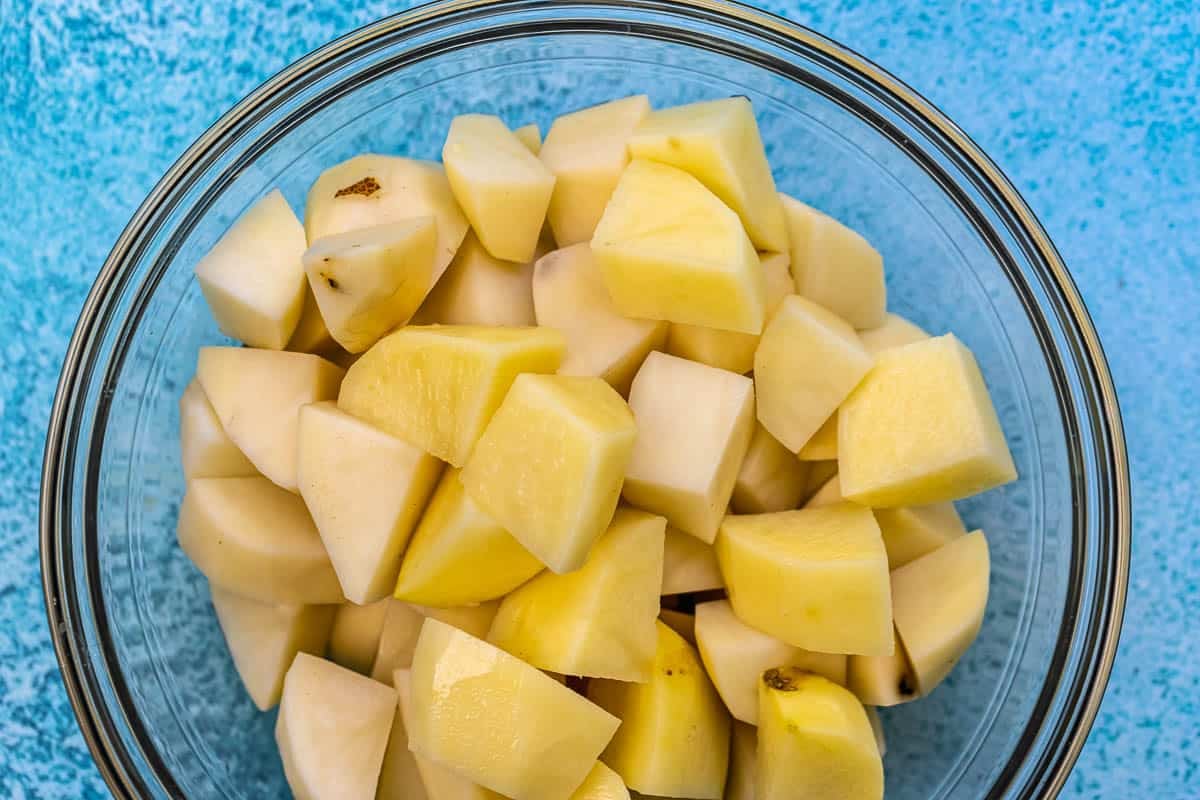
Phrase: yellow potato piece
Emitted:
{"points": [[257, 395], [895, 331], [694, 426], [365, 490], [939, 600], [815, 578], [264, 638], [530, 136], [253, 539], [736, 656], [882, 680], [569, 295], [354, 637], [252, 278], [598, 621], [601, 784], [550, 463], [835, 267], [717, 141], [499, 722], [771, 477], [669, 249], [204, 447], [459, 555], [823, 444], [807, 363], [437, 387], [689, 565], [370, 280], [814, 740], [830, 494], [674, 735], [921, 429], [479, 289], [909, 533], [586, 151], [743, 758]]}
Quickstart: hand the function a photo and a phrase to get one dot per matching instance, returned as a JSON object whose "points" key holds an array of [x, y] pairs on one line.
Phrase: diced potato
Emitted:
{"points": [[814, 740], [475, 620], [549, 465], [895, 331], [252, 538], [681, 623], [909, 533], [370, 190], [939, 600], [743, 758], [586, 151], [437, 387], [498, 721], [252, 278], [370, 280], [823, 444], [601, 784], [502, 187], [835, 267], [807, 363], [771, 477], [736, 656], [569, 294], [459, 555], [365, 490], [530, 136], [815, 578], [397, 640], [689, 565], [479, 289], [921, 429], [400, 778], [877, 729], [205, 449], [830, 494], [332, 730], [354, 637], [263, 639], [674, 735], [257, 395], [882, 680], [694, 426], [598, 621], [729, 349], [718, 142], [669, 249]]}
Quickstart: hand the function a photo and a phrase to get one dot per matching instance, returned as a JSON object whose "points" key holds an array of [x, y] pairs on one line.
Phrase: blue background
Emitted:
{"points": [[1090, 107]]}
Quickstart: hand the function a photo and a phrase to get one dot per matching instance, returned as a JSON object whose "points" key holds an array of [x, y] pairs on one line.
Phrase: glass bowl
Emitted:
{"points": [[156, 694]]}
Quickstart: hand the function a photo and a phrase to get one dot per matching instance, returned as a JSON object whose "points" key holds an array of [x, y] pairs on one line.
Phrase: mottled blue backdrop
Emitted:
{"points": [[1091, 108]]}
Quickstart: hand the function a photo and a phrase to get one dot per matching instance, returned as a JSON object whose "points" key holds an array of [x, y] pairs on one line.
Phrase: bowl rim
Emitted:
{"points": [[109, 755]]}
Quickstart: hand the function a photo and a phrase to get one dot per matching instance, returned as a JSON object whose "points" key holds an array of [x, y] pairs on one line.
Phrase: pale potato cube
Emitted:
{"points": [[480, 289], [815, 578], [502, 187], [459, 555], [370, 280], [332, 730], [718, 142], [939, 600], [689, 565], [743, 758], [921, 429], [257, 395], [549, 465], [601, 784], [586, 151], [835, 267], [807, 363], [737, 655], [729, 349], [530, 136], [882, 680], [354, 637], [674, 735], [669, 249], [569, 294], [397, 640], [263, 639], [365, 490], [814, 740], [681, 623], [437, 387], [598, 621], [694, 425], [370, 190], [256, 540], [895, 331], [204, 447], [909, 533], [823, 444], [252, 278], [771, 477], [830, 494], [499, 722]]}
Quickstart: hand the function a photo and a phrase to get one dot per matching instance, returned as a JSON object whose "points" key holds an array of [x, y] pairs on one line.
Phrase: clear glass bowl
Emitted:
{"points": [[143, 660]]}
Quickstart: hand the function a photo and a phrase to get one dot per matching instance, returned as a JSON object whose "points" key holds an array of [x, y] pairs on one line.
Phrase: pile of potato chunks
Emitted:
{"points": [[565, 470]]}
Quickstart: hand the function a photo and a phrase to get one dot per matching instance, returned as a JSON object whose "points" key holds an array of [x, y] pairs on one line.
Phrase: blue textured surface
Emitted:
{"points": [[1090, 107]]}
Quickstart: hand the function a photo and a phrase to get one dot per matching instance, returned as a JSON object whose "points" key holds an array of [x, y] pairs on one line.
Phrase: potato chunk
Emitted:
{"points": [[689, 565], [895, 331], [909, 533], [771, 477], [205, 448], [882, 680], [354, 637], [480, 289]]}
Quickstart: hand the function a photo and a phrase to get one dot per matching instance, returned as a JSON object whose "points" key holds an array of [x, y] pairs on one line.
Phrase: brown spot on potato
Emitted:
{"points": [[366, 187], [781, 681]]}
